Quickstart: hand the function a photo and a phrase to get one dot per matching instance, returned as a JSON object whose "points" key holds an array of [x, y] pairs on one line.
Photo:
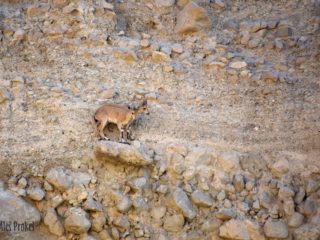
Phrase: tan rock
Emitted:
{"points": [[105, 235], [129, 56], [4, 95], [234, 229], [60, 3], [53, 223], [118, 152], [238, 64], [34, 11], [77, 221], [280, 167], [255, 230], [145, 43], [229, 161], [173, 223], [192, 18], [159, 57]]}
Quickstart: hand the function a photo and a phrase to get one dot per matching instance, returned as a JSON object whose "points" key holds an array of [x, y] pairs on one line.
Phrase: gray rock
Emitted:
{"points": [[80, 178], [182, 201], [166, 49], [77, 221], [275, 229], [123, 153], [52, 221], [284, 32], [122, 223], [201, 199], [308, 206], [14, 208], [254, 42], [312, 186], [36, 193], [192, 18], [238, 182], [285, 193], [91, 205], [165, 3], [173, 223], [139, 203], [278, 43], [138, 184], [59, 178], [22, 183], [123, 202], [298, 198], [296, 220], [272, 24], [252, 26], [256, 205], [308, 232], [226, 214], [265, 199]]}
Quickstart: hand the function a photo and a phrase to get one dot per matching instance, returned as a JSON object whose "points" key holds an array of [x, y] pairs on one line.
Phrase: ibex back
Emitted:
{"points": [[120, 115]]}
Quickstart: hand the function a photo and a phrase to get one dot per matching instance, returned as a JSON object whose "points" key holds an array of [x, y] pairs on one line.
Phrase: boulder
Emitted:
{"points": [[183, 203], [120, 153], [77, 221], [276, 229], [234, 229], [59, 178], [14, 208], [52, 221], [36, 193], [201, 199], [229, 161], [173, 223], [307, 231]]}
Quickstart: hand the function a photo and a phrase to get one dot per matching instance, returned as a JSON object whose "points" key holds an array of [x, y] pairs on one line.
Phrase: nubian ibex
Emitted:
{"points": [[120, 115]]}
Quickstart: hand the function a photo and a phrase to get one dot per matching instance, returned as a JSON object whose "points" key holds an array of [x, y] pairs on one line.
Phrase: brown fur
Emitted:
{"points": [[120, 115]]}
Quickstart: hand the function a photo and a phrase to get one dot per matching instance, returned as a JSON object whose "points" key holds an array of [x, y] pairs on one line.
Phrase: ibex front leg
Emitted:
{"points": [[121, 130]]}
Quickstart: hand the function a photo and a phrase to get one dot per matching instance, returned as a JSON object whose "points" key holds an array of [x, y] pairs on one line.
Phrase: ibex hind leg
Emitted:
{"points": [[101, 128]]}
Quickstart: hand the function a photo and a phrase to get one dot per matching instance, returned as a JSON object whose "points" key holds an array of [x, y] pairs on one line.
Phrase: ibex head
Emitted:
{"points": [[143, 107]]}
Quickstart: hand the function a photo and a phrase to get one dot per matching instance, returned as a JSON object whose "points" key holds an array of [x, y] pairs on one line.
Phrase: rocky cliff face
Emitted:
{"points": [[230, 149]]}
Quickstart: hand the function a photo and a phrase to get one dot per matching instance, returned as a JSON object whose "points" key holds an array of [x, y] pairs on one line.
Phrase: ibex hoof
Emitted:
{"points": [[124, 142], [104, 138]]}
